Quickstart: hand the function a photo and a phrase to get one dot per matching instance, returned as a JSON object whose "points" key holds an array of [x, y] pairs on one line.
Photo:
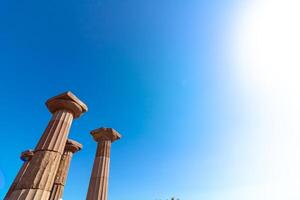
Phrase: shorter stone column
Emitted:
{"points": [[63, 169], [26, 157], [98, 186]]}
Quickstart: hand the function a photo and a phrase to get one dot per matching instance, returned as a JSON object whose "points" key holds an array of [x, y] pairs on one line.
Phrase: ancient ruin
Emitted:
{"points": [[99, 179], [44, 172], [38, 178], [26, 157], [62, 172]]}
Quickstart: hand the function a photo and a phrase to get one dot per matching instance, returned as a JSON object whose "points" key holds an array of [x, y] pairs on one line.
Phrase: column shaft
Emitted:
{"points": [[55, 136], [99, 179], [18, 177], [37, 180], [63, 169], [61, 176]]}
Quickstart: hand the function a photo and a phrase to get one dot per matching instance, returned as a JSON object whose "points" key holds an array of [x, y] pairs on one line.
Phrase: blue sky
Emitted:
{"points": [[162, 73]]}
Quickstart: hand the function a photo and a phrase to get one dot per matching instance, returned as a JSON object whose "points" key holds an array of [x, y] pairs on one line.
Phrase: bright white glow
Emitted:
{"points": [[266, 50]]}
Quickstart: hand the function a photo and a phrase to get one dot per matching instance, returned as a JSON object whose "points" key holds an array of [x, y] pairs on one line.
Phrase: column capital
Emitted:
{"points": [[27, 155], [73, 146], [102, 134], [67, 101]]}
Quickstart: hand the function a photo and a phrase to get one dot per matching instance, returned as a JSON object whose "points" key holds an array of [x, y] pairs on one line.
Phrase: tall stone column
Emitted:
{"points": [[38, 178], [98, 186], [26, 157], [63, 169]]}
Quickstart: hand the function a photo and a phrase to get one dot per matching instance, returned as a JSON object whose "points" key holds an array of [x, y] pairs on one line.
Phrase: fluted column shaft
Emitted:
{"points": [[99, 179], [26, 158], [98, 186], [61, 176], [55, 136], [63, 169], [38, 178]]}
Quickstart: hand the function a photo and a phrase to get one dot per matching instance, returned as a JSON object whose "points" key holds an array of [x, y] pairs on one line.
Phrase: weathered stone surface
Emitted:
{"points": [[26, 157], [63, 169], [55, 135], [67, 101], [57, 192], [101, 134], [72, 146], [38, 178], [30, 194], [39, 173], [98, 186]]}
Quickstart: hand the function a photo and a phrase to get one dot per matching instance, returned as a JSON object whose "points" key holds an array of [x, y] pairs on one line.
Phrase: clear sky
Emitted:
{"points": [[203, 92]]}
